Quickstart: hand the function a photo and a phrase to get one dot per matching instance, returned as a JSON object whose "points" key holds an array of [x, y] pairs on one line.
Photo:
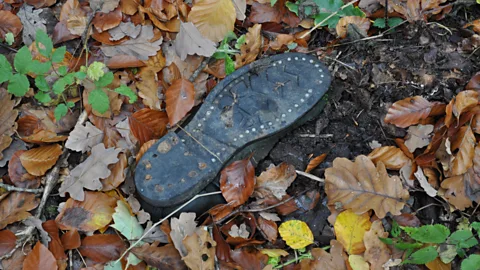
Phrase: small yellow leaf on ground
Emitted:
{"points": [[296, 233], [350, 228], [357, 262], [213, 18]]}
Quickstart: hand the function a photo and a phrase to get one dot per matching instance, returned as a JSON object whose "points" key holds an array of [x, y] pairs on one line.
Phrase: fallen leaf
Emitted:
{"points": [[147, 124], [55, 245], [40, 3], [363, 24], [465, 143], [360, 186], [179, 98], [126, 223], [44, 136], [236, 231], [83, 138], [7, 242], [15, 207], [392, 157], [350, 229], [418, 137], [125, 29], [251, 48], [269, 216], [275, 181], [200, 250], [182, 227], [314, 162], [106, 21], [335, 260], [474, 83], [455, 192], [437, 264], [424, 183], [32, 22], [409, 111], [7, 119], [464, 101], [274, 253], [357, 262], [38, 161], [92, 214], [16, 145], [213, 18], [190, 41], [71, 239], [165, 257], [377, 253], [264, 13], [117, 175], [149, 90], [18, 175], [269, 228], [296, 234], [10, 24], [240, 9], [237, 181], [88, 173], [40, 258], [102, 248], [74, 17], [104, 6], [251, 259], [16, 261]]}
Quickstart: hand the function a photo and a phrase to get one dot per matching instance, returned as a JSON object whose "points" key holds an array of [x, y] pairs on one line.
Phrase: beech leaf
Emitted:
{"points": [[7, 120], [147, 124], [465, 143], [102, 248], [7, 241], [237, 182], [38, 161], [15, 207], [180, 98], [350, 229], [392, 157], [409, 111], [40, 258], [213, 18], [165, 257], [296, 234]]}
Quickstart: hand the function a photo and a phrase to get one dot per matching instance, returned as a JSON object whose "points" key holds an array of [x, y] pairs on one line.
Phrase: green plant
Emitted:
{"points": [[392, 22], [424, 244], [53, 79], [224, 51]]}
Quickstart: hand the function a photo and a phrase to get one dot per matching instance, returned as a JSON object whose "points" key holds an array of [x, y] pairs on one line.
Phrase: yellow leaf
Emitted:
{"points": [[213, 18], [357, 262], [350, 228], [296, 233], [274, 253]]}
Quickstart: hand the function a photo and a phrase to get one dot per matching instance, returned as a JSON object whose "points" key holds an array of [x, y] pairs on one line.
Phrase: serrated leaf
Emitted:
{"points": [[472, 262], [83, 138], [99, 100], [296, 234], [70, 104], [5, 69], [43, 97], [392, 22], [18, 85], [436, 233], [422, 256], [38, 67], [22, 60], [80, 75], [59, 86], [126, 91], [475, 225], [69, 78], [125, 223], [59, 54], [105, 80], [229, 65], [60, 111], [62, 70], [380, 23], [463, 239], [41, 83], [46, 41]]}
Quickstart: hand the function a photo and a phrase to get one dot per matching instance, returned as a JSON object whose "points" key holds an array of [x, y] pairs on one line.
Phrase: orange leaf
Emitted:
{"points": [[40, 258], [71, 239], [237, 181], [251, 48], [10, 24], [39, 160], [262, 13], [15, 207], [362, 23], [44, 136], [148, 89], [275, 181], [474, 83], [213, 18], [7, 119], [476, 27], [249, 258], [18, 175], [409, 111], [7, 241], [392, 157], [269, 228], [106, 21], [314, 162], [464, 101], [465, 142], [102, 248], [180, 98], [165, 257], [147, 124], [117, 175], [144, 149], [456, 194], [55, 245]]}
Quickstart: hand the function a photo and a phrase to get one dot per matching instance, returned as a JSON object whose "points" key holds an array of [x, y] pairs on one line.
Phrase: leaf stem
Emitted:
{"points": [[297, 259]]}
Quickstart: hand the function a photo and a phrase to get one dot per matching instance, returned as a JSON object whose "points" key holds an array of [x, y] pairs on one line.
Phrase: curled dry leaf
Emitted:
{"points": [[38, 161], [324, 260], [144, 149], [409, 111], [424, 183], [314, 162], [83, 138], [465, 143], [275, 181], [376, 252], [40, 258], [7, 241], [180, 98], [360, 186], [10, 24], [237, 182], [147, 124], [213, 18], [102, 248], [165, 257], [392, 157], [94, 213], [148, 89], [201, 250], [350, 229], [251, 48], [362, 23], [15, 207], [464, 101], [7, 119]]}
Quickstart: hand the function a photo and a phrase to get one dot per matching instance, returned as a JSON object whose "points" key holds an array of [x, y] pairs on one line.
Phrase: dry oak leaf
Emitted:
{"points": [[141, 47], [40, 258], [335, 260], [182, 227], [392, 157], [165, 257], [88, 173], [102, 248], [149, 90], [360, 186], [190, 41], [213, 18], [251, 48], [7, 119], [409, 111], [465, 143], [90, 215], [363, 25], [118, 173], [275, 181], [180, 98], [237, 182], [10, 24], [15, 207], [38, 161], [125, 29], [350, 229], [376, 252], [147, 124], [455, 192], [7, 241], [83, 138], [201, 250]]}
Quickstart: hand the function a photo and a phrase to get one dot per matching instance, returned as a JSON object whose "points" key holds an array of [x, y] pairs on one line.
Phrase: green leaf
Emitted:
{"points": [[38, 67], [62, 70], [396, 231], [80, 75], [273, 2], [9, 38], [69, 78], [392, 22], [476, 226], [274, 260], [240, 41], [59, 86], [229, 65], [99, 100], [293, 7], [380, 23], [462, 239], [125, 223], [46, 41], [126, 91], [428, 233], [22, 60], [327, 7], [472, 262], [404, 246], [105, 80], [41, 83], [96, 70], [60, 111], [5, 69], [43, 97], [331, 23], [70, 104], [387, 241], [422, 256], [18, 85], [59, 54], [352, 11]]}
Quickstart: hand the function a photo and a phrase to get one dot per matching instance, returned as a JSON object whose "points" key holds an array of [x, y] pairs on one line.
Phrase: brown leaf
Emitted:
{"points": [[15, 207], [237, 182], [165, 257], [55, 245], [418, 137], [251, 48], [201, 250], [455, 193], [263, 13], [105, 21], [213, 18], [10, 24], [147, 124], [102, 248], [149, 90], [377, 253], [283, 209], [7, 119], [314, 162], [465, 143], [190, 41], [44, 136], [406, 219], [74, 17], [223, 249], [363, 24], [71, 239], [144, 149], [360, 186], [129, 7], [392, 157], [409, 111], [335, 260], [38, 161], [94, 213], [437, 264], [251, 259], [40, 258], [18, 175], [464, 101], [180, 98], [117, 175], [41, 3], [275, 181], [474, 83], [7, 241], [62, 34], [16, 261], [269, 228]]}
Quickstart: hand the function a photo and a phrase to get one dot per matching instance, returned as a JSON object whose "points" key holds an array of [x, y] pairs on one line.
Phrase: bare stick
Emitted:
{"points": [[165, 218], [19, 189], [328, 17], [311, 176]]}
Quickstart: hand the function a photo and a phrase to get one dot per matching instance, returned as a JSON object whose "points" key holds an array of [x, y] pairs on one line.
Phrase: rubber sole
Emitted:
{"points": [[258, 102]]}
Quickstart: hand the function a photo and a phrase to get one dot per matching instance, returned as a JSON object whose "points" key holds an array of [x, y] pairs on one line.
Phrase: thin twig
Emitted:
{"points": [[200, 68], [19, 189], [311, 176]]}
